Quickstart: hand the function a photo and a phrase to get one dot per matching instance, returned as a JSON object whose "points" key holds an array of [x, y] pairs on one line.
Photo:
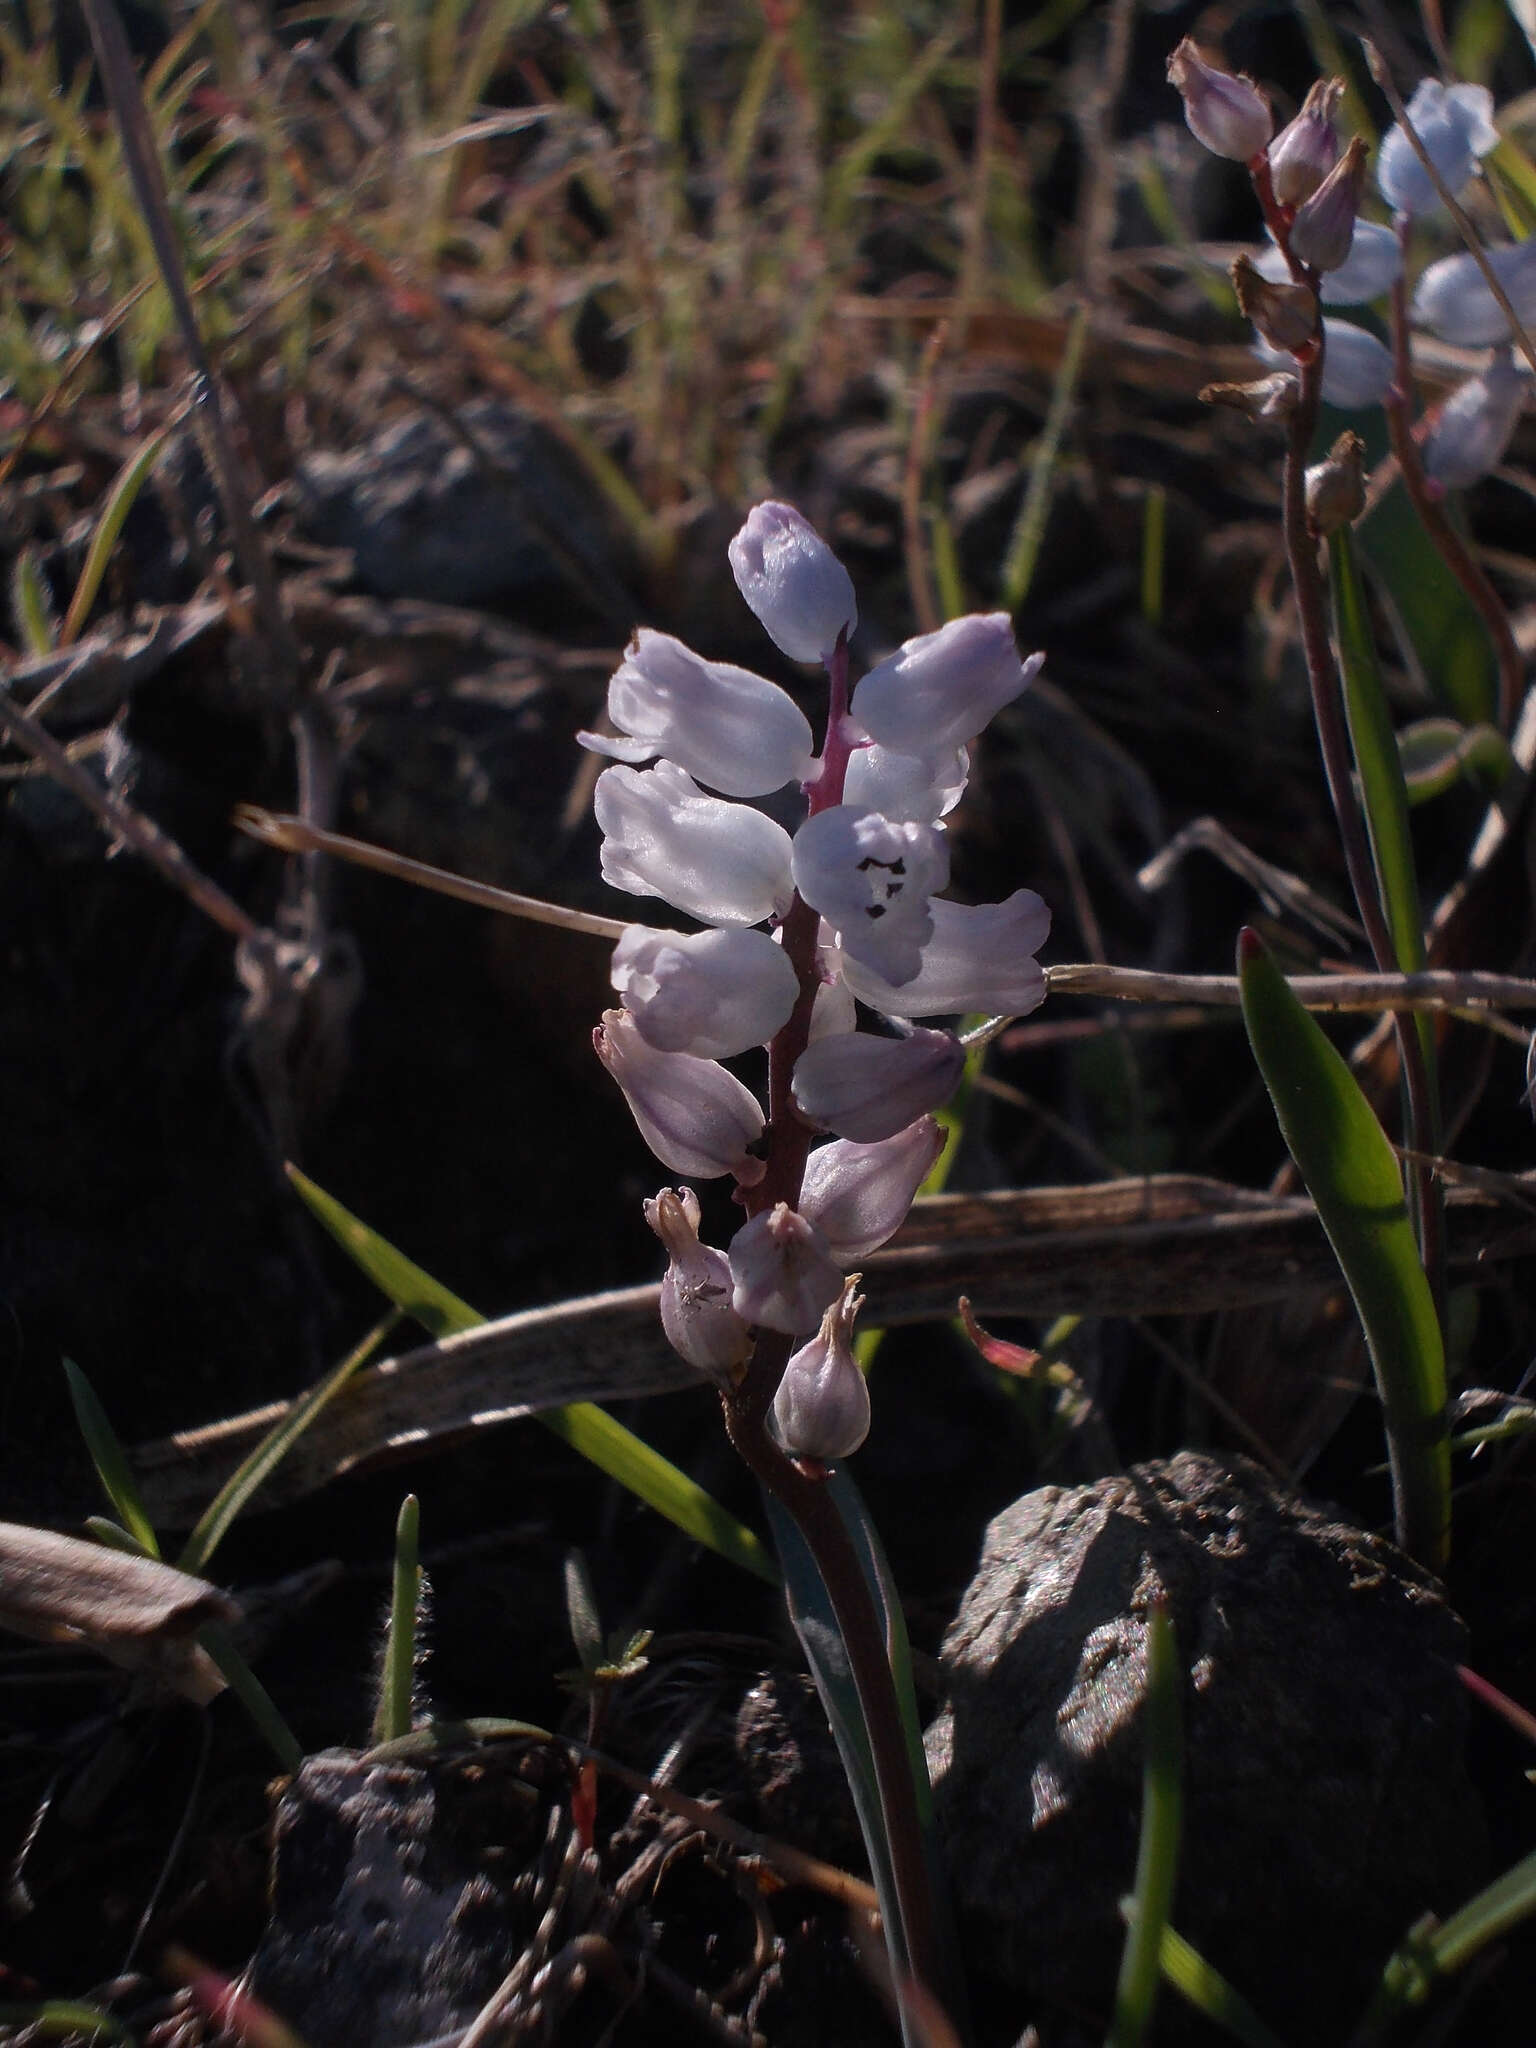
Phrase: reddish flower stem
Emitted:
{"points": [[747, 1405], [1338, 762]]}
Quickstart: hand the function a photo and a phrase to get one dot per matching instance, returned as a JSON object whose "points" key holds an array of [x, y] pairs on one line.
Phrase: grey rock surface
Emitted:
{"points": [[498, 509], [1326, 1803]]}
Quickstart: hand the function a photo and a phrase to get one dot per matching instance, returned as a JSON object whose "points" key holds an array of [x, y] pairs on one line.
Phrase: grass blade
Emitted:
{"points": [[394, 1714], [1430, 1952], [126, 486], [107, 1456], [1157, 1858], [252, 1694], [1354, 1179], [1209, 1992], [588, 1429], [214, 1523]]}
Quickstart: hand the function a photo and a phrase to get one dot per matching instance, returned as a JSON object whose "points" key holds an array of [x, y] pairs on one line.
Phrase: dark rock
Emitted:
{"points": [[392, 1917], [498, 510], [1326, 1804]]}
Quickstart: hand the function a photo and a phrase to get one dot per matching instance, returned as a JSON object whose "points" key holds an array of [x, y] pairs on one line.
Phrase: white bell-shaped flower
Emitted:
{"points": [[783, 1272], [858, 1195], [940, 690], [696, 1118], [1455, 125], [696, 1313], [871, 877], [821, 1409], [1452, 298], [799, 590], [722, 863], [1371, 268], [981, 957], [869, 1088], [1475, 427], [714, 993], [906, 786], [732, 730]]}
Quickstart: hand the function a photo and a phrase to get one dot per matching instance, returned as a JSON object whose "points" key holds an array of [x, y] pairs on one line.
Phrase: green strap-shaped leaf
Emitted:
{"points": [[1354, 1179], [588, 1429], [1383, 792], [394, 1708], [815, 1621], [110, 1462]]}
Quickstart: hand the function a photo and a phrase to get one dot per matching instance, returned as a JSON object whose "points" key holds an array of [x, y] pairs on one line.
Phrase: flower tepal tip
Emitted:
{"points": [[800, 591]]}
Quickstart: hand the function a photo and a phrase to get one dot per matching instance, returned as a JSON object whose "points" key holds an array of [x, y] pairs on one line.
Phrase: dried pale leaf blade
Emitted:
{"points": [[50, 1582], [136, 1611]]}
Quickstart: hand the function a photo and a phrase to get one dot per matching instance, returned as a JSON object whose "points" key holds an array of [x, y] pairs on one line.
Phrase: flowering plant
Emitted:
{"points": [[799, 928]]}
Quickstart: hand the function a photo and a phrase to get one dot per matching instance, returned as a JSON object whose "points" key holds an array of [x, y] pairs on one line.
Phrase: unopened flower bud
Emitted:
{"points": [[858, 1195], [1335, 486], [1455, 125], [916, 787], [940, 690], [800, 591], [1229, 115], [869, 1088], [821, 1410], [1477, 424], [714, 993], [872, 878], [696, 1313], [1306, 149], [1324, 228], [733, 730], [1284, 314], [696, 1118], [783, 1272]]}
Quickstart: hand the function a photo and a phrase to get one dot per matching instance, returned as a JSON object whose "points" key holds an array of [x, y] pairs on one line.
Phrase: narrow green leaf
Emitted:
{"points": [[393, 1715], [1209, 1992], [31, 610], [1433, 612], [1354, 1180], [126, 486], [588, 1429], [107, 1456], [252, 1694], [581, 1612], [815, 1622], [1431, 1952], [1162, 1818], [214, 1523], [1023, 550], [1383, 792], [114, 1536]]}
